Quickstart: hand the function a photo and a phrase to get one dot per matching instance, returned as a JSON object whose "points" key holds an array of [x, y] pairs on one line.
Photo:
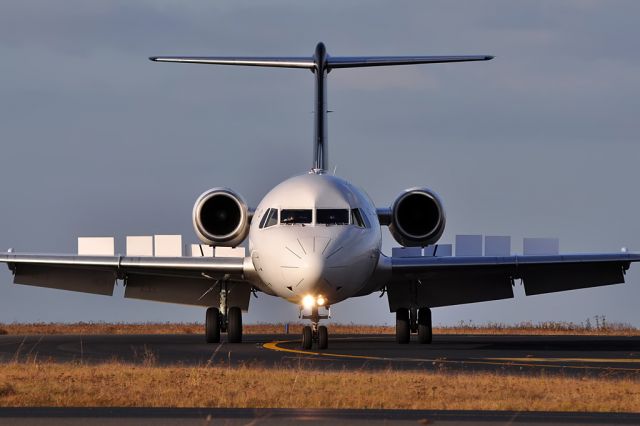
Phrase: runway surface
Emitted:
{"points": [[564, 354], [244, 416]]}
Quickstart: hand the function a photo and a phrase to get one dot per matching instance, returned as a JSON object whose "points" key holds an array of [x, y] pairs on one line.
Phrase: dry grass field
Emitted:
{"points": [[597, 326], [150, 385]]}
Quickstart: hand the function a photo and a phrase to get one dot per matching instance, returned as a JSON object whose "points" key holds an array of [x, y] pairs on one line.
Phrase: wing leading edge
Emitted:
{"points": [[186, 280], [444, 281]]}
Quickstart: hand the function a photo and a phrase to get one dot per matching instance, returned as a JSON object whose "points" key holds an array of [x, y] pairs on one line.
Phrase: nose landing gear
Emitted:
{"points": [[315, 332]]}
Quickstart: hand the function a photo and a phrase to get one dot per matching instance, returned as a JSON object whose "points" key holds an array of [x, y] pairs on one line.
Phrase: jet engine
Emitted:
{"points": [[221, 218], [417, 218]]}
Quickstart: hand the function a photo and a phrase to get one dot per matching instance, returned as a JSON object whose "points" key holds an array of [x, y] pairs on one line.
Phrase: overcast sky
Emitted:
{"points": [[540, 142]]}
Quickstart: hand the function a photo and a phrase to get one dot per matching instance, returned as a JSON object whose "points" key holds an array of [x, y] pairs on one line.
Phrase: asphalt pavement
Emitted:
{"points": [[265, 416], [593, 355]]}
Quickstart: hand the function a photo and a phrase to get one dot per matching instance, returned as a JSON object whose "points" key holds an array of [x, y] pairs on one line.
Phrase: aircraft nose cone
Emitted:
{"points": [[313, 271]]}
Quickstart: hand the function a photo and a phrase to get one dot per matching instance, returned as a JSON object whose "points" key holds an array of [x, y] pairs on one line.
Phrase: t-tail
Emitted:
{"points": [[320, 64]]}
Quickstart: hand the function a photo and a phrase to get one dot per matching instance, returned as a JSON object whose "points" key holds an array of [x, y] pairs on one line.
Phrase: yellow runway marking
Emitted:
{"points": [[595, 360], [274, 347], [511, 362]]}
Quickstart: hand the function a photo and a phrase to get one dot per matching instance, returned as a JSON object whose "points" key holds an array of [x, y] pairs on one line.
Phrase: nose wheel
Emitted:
{"points": [[323, 337], [320, 336], [307, 337], [315, 332]]}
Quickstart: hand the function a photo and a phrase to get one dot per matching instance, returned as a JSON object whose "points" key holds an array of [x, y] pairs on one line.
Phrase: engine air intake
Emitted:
{"points": [[417, 218], [221, 218]]}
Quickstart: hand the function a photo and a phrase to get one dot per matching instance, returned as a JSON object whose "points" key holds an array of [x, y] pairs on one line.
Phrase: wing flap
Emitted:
{"points": [[444, 281], [554, 278], [186, 291], [452, 289], [66, 278], [465, 288]]}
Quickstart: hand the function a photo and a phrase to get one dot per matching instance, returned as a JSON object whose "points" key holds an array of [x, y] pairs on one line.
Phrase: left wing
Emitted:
{"points": [[443, 281], [186, 280]]}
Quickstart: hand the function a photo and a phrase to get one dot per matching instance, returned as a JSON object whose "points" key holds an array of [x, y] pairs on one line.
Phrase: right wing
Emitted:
{"points": [[453, 280], [185, 280]]}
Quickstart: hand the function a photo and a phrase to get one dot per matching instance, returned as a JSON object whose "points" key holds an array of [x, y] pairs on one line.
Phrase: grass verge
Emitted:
{"points": [[125, 385], [599, 327]]}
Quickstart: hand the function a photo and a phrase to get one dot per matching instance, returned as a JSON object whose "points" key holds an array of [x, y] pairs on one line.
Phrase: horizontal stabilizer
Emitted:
{"points": [[311, 63], [380, 61], [242, 61]]}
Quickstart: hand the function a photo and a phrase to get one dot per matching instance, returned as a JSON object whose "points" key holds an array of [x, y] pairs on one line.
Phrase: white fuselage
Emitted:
{"points": [[316, 235]]}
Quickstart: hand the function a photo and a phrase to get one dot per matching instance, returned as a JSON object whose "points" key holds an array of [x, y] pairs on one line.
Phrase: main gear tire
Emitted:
{"points": [[425, 329], [212, 325], [234, 326], [403, 328]]}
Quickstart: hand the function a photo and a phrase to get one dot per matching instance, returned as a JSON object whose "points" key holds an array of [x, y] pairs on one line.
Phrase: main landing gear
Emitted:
{"points": [[217, 322], [315, 332], [223, 319], [413, 321]]}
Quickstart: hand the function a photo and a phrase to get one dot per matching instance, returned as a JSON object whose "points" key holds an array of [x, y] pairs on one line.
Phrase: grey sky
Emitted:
{"points": [[541, 141]]}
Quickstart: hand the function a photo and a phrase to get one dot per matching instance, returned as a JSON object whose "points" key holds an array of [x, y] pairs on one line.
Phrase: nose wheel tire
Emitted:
{"points": [[323, 337], [212, 325], [307, 337], [403, 329], [234, 326], [425, 330]]}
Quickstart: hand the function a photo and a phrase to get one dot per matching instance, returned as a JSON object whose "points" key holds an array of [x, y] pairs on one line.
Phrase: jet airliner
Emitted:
{"points": [[315, 240]]}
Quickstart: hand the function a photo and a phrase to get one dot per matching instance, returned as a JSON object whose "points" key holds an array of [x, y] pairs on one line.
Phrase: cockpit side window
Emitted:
{"points": [[272, 218], [332, 217], [357, 218], [264, 218], [295, 216]]}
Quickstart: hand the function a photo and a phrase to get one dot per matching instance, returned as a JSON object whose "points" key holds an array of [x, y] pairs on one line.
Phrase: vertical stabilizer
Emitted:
{"points": [[320, 154]]}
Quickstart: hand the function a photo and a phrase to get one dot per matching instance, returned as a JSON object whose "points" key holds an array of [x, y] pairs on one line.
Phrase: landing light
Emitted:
{"points": [[320, 301], [308, 301]]}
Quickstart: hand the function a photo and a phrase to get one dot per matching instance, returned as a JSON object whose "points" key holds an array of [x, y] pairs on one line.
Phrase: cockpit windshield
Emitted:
{"points": [[332, 217], [295, 216]]}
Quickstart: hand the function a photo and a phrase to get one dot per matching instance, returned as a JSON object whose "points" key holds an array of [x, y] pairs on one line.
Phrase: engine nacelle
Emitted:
{"points": [[221, 218], [417, 218]]}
